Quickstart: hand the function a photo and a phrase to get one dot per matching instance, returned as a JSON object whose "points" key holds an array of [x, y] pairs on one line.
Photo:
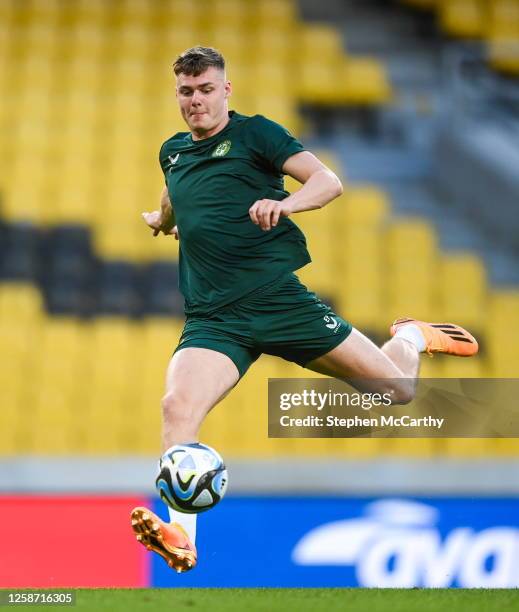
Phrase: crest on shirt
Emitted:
{"points": [[222, 149]]}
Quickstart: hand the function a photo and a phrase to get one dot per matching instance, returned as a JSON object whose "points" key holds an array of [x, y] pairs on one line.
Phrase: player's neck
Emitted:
{"points": [[203, 135]]}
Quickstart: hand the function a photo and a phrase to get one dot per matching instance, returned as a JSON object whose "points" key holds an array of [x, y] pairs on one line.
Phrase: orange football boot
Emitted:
{"points": [[442, 337], [168, 540]]}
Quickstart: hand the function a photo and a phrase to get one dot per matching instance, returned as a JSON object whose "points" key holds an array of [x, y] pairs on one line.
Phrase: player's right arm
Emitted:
{"points": [[162, 220]]}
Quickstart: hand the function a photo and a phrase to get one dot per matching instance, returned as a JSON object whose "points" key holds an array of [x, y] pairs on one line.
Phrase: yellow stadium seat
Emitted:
{"points": [[231, 42], [129, 78], [359, 215], [503, 447], [84, 72], [40, 39], [320, 276], [61, 333], [182, 11], [24, 201], [13, 42], [408, 447], [133, 12], [13, 387], [466, 447], [36, 71], [33, 110], [8, 11], [280, 13], [364, 81], [232, 14], [34, 135], [20, 302], [132, 42], [412, 266], [102, 423], [465, 18], [12, 408], [316, 82], [89, 41], [114, 335], [160, 337], [503, 332], [8, 79], [15, 341], [504, 19], [433, 367], [281, 109], [365, 205], [92, 11], [360, 282], [176, 37], [475, 367], [267, 75], [53, 416], [35, 10], [504, 54], [463, 290], [320, 41], [114, 384], [360, 81], [273, 46], [503, 35]]}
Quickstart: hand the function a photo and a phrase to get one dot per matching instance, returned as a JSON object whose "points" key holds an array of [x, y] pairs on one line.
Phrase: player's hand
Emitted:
{"points": [[157, 224], [266, 213]]}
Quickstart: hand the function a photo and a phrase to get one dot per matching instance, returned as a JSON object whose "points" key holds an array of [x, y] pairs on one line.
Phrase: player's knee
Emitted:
{"points": [[176, 408], [401, 391]]}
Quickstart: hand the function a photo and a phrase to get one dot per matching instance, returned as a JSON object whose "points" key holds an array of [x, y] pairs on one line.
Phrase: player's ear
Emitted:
{"points": [[228, 89]]}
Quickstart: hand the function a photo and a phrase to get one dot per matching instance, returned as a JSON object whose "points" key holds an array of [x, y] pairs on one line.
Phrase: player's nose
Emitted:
{"points": [[195, 98]]}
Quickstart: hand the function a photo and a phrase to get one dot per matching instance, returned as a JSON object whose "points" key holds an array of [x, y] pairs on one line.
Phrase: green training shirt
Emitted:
{"points": [[212, 183]]}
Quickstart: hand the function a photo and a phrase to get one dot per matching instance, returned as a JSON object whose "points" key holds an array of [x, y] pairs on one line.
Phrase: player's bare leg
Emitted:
{"points": [[196, 380], [394, 368]]}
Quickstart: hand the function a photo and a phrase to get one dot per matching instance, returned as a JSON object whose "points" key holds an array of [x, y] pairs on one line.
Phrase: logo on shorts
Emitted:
{"points": [[222, 149], [332, 323]]}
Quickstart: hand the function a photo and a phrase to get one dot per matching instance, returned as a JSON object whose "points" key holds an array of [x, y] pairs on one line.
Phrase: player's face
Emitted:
{"points": [[203, 101]]}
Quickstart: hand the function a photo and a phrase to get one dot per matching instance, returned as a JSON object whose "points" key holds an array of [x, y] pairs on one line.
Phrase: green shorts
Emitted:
{"points": [[282, 318]]}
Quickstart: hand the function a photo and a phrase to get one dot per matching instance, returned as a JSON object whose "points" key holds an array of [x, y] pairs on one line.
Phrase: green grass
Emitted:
{"points": [[297, 600]]}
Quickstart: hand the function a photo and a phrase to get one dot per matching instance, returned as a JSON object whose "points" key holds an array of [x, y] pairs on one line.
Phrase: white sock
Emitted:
{"points": [[186, 521], [413, 334]]}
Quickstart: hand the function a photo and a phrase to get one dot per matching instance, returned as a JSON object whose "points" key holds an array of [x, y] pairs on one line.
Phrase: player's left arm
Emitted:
{"points": [[319, 187]]}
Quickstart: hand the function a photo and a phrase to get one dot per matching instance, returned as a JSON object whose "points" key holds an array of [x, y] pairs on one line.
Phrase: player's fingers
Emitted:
{"points": [[275, 215], [156, 232], [258, 214], [269, 212], [267, 218], [253, 213], [264, 213], [149, 219]]}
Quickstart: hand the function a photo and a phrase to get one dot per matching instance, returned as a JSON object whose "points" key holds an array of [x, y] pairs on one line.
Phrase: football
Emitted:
{"points": [[192, 478]]}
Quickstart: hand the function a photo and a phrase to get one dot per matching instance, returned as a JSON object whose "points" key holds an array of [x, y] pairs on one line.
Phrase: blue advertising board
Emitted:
{"points": [[342, 541]]}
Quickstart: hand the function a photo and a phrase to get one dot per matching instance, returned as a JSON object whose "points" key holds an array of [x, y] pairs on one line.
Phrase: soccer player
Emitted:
{"points": [[224, 200]]}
